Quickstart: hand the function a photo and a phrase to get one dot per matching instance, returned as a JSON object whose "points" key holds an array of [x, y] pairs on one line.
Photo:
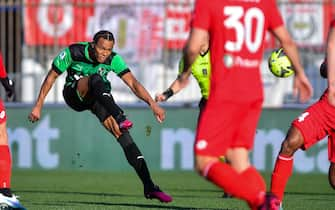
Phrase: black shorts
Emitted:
{"points": [[202, 104], [79, 104]]}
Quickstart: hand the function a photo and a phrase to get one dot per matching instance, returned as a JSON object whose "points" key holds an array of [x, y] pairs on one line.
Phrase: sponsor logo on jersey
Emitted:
{"points": [[62, 55], [201, 144], [246, 62], [228, 60], [101, 71]]}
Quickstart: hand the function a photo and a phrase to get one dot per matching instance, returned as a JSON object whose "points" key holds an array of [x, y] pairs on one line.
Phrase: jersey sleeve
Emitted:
{"points": [[119, 66], [3, 72], [62, 61], [275, 18], [201, 15]]}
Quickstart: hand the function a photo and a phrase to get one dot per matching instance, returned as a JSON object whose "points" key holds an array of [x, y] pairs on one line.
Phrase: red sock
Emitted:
{"points": [[224, 176], [280, 175], [5, 166], [255, 178]]}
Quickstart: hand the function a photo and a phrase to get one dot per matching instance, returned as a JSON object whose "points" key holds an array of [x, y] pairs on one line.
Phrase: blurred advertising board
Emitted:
{"points": [[49, 22], [307, 21], [66, 140], [134, 22]]}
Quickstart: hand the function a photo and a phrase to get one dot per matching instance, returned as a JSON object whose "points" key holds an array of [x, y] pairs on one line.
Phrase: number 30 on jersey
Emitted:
{"points": [[241, 21]]}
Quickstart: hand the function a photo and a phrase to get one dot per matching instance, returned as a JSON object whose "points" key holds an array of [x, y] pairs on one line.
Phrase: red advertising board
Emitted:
{"points": [[152, 26], [49, 22], [178, 17], [62, 22]]}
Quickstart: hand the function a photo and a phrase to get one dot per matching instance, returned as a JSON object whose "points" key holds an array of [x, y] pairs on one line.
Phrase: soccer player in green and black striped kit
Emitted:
{"points": [[87, 88]]}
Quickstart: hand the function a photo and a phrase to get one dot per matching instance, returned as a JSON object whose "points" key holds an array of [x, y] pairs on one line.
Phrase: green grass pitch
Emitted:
{"points": [[44, 190]]}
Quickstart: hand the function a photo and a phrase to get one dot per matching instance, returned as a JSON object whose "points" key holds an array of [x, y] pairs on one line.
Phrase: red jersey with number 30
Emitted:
{"points": [[237, 31]]}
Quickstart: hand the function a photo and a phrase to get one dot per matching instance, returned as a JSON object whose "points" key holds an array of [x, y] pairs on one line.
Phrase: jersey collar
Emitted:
{"points": [[87, 52]]}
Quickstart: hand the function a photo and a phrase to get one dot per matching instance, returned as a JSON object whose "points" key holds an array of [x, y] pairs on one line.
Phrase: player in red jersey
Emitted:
{"points": [[314, 124], [235, 31], [7, 199]]}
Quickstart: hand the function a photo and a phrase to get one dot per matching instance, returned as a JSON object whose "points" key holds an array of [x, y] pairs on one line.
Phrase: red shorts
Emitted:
{"points": [[315, 123], [3, 116], [227, 125]]}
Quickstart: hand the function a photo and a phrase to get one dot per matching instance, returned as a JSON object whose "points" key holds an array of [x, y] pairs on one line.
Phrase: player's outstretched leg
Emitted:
{"points": [[100, 92], [156, 193], [283, 168], [136, 160]]}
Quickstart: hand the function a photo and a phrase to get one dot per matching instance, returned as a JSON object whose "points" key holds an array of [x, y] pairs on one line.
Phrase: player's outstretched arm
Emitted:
{"points": [[177, 85], [301, 85], [45, 88], [138, 89]]}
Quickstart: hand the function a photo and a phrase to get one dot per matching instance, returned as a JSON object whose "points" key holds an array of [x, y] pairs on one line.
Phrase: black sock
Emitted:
{"points": [[6, 192], [100, 92], [136, 160]]}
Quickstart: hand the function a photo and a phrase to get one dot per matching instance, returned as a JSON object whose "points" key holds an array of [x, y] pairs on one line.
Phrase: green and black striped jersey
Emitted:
{"points": [[76, 61]]}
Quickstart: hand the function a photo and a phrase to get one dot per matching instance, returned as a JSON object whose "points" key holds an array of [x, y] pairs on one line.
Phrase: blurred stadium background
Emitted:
{"points": [[150, 35]]}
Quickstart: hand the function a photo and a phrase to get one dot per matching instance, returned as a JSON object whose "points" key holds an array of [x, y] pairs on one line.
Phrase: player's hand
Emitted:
{"points": [[303, 87], [111, 125], [158, 112], [8, 84], [160, 97], [34, 115]]}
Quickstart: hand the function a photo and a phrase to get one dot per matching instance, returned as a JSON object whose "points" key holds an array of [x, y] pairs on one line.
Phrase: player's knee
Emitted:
{"points": [[198, 169], [202, 164], [287, 148], [292, 142]]}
